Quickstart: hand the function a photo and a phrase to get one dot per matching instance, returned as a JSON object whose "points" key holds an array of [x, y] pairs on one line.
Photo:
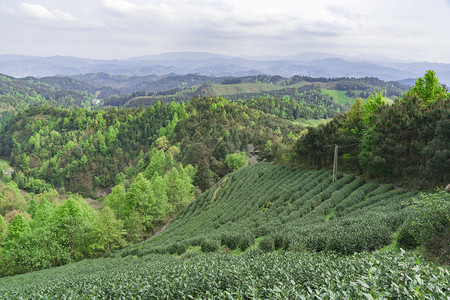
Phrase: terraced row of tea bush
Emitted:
{"points": [[287, 208], [255, 275]]}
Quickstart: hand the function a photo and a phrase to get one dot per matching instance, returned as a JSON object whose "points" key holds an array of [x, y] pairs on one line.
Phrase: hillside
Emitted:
{"points": [[300, 210], [289, 98], [254, 210], [17, 94], [83, 150]]}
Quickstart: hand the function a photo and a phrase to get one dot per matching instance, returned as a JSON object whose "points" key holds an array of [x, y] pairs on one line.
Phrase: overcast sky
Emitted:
{"points": [[403, 29]]}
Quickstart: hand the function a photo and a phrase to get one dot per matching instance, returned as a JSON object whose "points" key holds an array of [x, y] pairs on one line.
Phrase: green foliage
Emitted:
{"points": [[405, 139], [72, 221], [231, 240], [428, 88], [253, 276], [80, 150], [246, 240], [107, 231], [267, 244], [236, 160], [17, 226], [3, 229], [429, 225], [116, 200], [288, 206], [209, 245]]}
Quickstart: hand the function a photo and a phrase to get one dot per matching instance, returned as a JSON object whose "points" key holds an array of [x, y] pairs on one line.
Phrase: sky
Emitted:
{"points": [[413, 30]]}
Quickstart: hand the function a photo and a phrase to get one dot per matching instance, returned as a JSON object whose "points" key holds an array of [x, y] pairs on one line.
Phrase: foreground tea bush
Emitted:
{"points": [[251, 276]]}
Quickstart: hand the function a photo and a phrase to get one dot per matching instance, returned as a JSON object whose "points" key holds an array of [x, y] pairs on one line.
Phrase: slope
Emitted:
{"points": [[288, 206], [296, 209]]}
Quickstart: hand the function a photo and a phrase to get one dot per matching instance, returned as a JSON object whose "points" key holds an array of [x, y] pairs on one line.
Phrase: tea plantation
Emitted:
{"points": [[273, 275], [222, 246], [285, 208]]}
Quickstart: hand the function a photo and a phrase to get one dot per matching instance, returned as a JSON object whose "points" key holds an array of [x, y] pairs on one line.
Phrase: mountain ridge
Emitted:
{"points": [[315, 64]]}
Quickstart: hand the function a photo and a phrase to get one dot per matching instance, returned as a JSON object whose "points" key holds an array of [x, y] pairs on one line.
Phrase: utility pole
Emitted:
{"points": [[335, 163]]}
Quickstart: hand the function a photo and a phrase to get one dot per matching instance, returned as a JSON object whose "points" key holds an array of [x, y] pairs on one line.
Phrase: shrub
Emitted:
{"points": [[172, 248], [181, 248], [429, 225], [278, 241], [231, 240], [267, 244], [315, 242], [262, 230], [247, 239], [209, 245], [405, 237]]}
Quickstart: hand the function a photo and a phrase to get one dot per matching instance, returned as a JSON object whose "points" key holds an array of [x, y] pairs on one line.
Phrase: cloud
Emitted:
{"points": [[413, 29], [40, 12], [125, 8]]}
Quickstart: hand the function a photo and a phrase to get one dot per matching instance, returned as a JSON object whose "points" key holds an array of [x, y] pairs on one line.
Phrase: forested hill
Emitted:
{"points": [[20, 93], [308, 97], [83, 150]]}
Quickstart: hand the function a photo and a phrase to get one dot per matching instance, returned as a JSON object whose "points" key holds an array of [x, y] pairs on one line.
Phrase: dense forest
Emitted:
{"points": [[83, 150]]}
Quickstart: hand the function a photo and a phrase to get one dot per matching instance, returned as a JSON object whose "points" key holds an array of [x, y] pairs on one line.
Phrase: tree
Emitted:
{"points": [[156, 164], [428, 88], [180, 189], [17, 226], [3, 229], [236, 160], [116, 200], [161, 207], [141, 199], [43, 214], [34, 250], [72, 222], [107, 231]]}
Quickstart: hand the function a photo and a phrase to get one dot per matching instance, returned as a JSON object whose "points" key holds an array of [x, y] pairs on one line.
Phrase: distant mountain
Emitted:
{"points": [[314, 64]]}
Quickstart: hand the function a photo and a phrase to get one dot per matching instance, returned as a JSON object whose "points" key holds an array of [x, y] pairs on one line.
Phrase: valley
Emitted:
{"points": [[147, 192]]}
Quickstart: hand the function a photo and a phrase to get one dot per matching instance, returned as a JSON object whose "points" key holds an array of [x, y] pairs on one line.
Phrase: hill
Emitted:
{"points": [[289, 98], [20, 93], [83, 150], [298, 210], [258, 209]]}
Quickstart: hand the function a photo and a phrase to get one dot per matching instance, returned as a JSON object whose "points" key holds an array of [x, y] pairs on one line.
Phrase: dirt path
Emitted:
{"points": [[218, 188], [165, 225]]}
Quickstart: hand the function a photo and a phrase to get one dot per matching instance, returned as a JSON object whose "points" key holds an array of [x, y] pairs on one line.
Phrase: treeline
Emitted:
{"points": [[408, 139], [367, 85]]}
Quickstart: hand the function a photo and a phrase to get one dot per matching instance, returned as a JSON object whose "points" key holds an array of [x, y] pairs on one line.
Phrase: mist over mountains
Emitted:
{"points": [[314, 64]]}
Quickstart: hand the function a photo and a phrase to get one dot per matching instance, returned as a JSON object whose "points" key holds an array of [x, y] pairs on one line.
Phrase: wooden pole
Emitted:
{"points": [[335, 163]]}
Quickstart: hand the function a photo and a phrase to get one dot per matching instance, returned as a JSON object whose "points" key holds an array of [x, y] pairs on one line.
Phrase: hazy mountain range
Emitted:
{"points": [[315, 64]]}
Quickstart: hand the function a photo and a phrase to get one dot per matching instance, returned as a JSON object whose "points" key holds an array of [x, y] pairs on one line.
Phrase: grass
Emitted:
{"points": [[311, 122], [331, 214], [392, 247], [338, 96], [232, 89]]}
